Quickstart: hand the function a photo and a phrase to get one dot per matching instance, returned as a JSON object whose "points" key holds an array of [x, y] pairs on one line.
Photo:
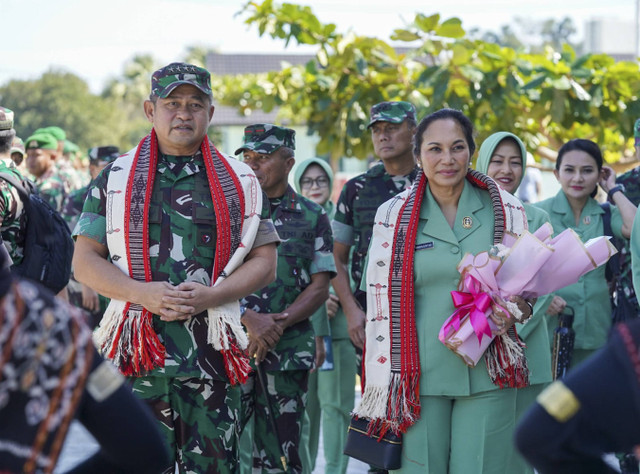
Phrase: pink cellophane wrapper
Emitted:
{"points": [[529, 265]]}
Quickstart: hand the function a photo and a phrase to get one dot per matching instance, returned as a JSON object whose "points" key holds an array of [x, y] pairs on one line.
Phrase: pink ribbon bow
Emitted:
{"points": [[475, 304]]}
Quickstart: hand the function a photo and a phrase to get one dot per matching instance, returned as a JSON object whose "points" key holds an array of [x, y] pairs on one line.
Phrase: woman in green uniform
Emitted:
{"points": [[331, 393], [455, 418], [503, 156], [579, 170]]}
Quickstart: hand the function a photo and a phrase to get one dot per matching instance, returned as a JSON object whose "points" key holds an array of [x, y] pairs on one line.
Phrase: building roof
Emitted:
{"points": [[230, 64]]}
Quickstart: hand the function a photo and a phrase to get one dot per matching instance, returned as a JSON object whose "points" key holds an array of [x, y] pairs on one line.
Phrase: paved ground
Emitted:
{"points": [[80, 445]]}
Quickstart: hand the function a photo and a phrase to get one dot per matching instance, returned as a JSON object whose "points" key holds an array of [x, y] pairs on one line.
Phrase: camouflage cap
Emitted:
{"points": [[103, 154], [18, 146], [6, 118], [57, 132], [166, 79], [636, 132], [394, 112], [267, 138], [42, 140]]}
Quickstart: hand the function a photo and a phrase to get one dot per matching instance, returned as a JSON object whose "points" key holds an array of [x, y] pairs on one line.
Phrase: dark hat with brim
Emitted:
{"points": [[393, 112], [167, 79], [266, 138]]}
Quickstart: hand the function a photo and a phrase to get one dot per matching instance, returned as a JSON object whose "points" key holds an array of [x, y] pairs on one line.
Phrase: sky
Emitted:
{"points": [[94, 40]]}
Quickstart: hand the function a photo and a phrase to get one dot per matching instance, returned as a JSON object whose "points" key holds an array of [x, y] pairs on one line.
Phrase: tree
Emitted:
{"points": [[62, 99], [546, 98]]}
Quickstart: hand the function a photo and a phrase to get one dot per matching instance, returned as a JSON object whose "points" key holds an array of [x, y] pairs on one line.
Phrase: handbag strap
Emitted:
{"points": [[612, 270], [630, 345]]}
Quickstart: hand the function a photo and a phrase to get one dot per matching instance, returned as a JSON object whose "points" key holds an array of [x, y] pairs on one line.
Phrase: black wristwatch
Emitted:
{"points": [[615, 189]]}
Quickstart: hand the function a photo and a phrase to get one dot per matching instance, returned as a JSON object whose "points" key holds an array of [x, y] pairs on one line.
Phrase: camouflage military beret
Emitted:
{"points": [[6, 118], [394, 112], [103, 154], [57, 132], [636, 132], [267, 138], [166, 79], [18, 146], [42, 140]]}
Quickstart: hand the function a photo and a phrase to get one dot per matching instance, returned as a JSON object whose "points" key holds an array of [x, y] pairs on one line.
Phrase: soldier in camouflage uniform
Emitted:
{"points": [[12, 214], [277, 316], [18, 153], [41, 154], [631, 186], [392, 125], [78, 294], [191, 393], [65, 171]]}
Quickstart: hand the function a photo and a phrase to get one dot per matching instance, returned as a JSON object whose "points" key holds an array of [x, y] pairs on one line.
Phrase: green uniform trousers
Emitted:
{"points": [[199, 419], [525, 397], [287, 391], [461, 435], [330, 398]]}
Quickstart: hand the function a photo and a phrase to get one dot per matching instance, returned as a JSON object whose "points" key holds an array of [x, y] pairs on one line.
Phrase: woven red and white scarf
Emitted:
{"points": [[391, 398], [126, 333]]}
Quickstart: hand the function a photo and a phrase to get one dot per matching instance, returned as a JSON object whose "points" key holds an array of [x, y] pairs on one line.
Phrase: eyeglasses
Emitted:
{"points": [[321, 182]]}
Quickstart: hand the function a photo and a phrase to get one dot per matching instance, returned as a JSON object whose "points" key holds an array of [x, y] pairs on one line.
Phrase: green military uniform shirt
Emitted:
{"points": [[12, 214], [439, 249], [306, 248], [52, 188], [182, 244], [356, 211], [589, 297]]}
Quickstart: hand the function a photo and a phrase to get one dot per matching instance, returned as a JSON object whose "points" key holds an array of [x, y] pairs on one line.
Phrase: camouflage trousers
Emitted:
{"points": [[288, 396], [199, 419]]}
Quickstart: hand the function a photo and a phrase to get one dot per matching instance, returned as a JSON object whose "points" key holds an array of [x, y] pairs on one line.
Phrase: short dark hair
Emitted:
{"points": [[6, 140], [580, 144], [443, 114]]}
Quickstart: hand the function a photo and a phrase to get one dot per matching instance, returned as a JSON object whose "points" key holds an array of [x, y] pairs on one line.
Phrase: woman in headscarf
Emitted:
{"points": [[50, 373], [579, 170], [455, 418], [503, 157], [331, 392]]}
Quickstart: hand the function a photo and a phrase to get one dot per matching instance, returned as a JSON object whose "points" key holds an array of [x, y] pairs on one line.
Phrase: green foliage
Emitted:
{"points": [[62, 99], [546, 97]]}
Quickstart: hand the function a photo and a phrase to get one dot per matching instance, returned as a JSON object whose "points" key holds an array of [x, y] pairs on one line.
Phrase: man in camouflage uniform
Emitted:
{"points": [[630, 181], [12, 214], [18, 154], [191, 393], [78, 294], [277, 316], [67, 173], [41, 155], [392, 125]]}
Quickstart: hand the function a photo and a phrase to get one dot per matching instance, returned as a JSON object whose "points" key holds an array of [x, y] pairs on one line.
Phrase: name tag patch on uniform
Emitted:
{"points": [[426, 245]]}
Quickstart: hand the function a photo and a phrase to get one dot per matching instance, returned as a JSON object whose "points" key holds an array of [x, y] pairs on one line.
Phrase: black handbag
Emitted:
{"points": [[383, 453]]}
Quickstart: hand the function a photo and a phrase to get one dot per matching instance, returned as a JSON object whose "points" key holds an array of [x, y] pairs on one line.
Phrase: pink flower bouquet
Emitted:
{"points": [[529, 265]]}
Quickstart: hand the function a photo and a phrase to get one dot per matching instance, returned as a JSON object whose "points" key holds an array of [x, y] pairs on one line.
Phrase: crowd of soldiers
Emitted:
{"points": [[216, 284], [206, 395]]}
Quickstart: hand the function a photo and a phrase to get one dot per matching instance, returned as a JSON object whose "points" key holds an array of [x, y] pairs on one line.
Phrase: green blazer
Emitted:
{"points": [[439, 249], [589, 297]]}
